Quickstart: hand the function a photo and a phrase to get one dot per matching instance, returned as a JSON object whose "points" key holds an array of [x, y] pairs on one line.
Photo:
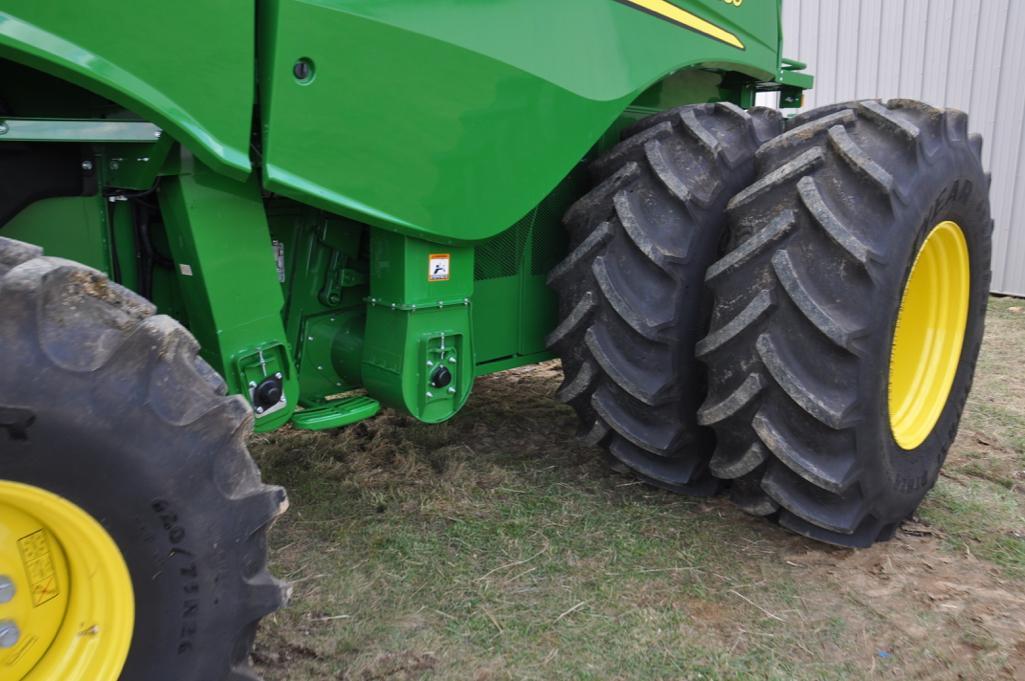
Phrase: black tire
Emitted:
{"points": [[806, 300], [631, 296], [109, 406]]}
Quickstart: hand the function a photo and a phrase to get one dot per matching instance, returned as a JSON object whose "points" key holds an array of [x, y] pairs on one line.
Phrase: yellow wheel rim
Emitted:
{"points": [[67, 610], [929, 333]]}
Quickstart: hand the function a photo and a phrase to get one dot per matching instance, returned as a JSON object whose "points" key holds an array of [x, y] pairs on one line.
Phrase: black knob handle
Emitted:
{"points": [[268, 393], [441, 377]]}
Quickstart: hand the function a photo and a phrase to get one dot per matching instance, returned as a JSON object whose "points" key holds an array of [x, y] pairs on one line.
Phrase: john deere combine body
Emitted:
{"points": [[355, 203], [308, 159]]}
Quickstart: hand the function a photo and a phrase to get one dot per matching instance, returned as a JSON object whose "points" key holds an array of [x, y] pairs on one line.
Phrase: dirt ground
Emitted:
{"points": [[497, 547]]}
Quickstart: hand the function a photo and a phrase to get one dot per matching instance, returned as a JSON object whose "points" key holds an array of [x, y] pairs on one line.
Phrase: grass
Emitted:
{"points": [[979, 500], [497, 547]]}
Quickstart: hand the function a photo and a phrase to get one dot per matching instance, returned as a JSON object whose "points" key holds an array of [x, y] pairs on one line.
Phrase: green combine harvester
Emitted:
{"points": [[278, 212]]}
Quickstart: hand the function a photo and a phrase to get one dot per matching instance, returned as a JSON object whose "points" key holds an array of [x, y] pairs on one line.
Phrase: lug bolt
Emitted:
{"points": [[9, 634], [6, 589]]}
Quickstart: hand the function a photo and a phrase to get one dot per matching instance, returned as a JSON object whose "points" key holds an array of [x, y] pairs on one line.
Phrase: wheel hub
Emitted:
{"points": [[928, 335], [66, 604]]}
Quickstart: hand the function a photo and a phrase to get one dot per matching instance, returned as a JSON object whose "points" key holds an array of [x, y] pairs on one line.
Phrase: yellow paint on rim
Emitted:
{"points": [[929, 334], [669, 11], [73, 603]]}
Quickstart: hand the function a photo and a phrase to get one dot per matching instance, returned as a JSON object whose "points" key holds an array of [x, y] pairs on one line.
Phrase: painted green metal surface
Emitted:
{"points": [[336, 414], [513, 308], [186, 66], [70, 227], [451, 120], [418, 323], [323, 274], [218, 233]]}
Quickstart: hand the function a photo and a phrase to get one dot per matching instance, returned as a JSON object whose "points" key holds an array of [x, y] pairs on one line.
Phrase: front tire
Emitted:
{"points": [[862, 251], [105, 409]]}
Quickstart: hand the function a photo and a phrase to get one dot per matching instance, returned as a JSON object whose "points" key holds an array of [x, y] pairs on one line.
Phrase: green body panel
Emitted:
{"points": [[219, 238], [186, 66], [72, 227], [451, 120], [417, 324], [513, 307]]}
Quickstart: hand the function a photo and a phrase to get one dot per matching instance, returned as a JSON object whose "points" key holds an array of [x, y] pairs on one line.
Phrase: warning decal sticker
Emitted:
{"points": [[42, 576], [438, 267]]}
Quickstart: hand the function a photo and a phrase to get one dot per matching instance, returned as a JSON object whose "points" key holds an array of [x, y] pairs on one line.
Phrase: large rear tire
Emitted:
{"points": [[631, 294], [848, 317], [126, 484]]}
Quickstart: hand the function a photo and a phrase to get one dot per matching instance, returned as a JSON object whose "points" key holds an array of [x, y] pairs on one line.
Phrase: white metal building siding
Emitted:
{"points": [[964, 54]]}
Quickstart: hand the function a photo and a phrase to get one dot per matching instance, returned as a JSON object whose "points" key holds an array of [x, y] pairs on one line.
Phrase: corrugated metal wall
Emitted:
{"points": [[965, 54]]}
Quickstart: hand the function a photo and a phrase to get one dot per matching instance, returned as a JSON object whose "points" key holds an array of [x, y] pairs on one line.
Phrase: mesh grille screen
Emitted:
{"points": [[540, 234], [500, 256]]}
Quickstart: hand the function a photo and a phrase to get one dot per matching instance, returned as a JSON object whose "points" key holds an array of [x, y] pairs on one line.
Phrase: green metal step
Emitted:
{"points": [[336, 414]]}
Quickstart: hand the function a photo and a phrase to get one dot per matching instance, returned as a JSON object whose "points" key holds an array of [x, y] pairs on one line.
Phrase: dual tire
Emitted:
{"points": [[847, 306], [631, 295]]}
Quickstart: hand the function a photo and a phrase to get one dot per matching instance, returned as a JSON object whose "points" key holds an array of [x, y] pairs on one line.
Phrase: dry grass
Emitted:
{"points": [[497, 547]]}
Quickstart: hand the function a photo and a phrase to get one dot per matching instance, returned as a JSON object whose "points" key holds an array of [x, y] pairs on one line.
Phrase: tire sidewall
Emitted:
{"points": [[168, 544], [952, 187]]}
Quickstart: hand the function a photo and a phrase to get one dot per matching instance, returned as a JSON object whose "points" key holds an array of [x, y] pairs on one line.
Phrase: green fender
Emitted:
{"points": [[447, 120], [186, 66], [451, 119]]}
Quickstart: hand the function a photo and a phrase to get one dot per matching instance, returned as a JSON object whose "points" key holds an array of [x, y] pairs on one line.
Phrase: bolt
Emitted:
{"points": [[9, 634], [452, 359], [452, 391], [259, 410], [87, 165], [278, 375], [157, 133], [3, 128], [430, 394], [6, 589], [430, 363], [252, 384]]}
